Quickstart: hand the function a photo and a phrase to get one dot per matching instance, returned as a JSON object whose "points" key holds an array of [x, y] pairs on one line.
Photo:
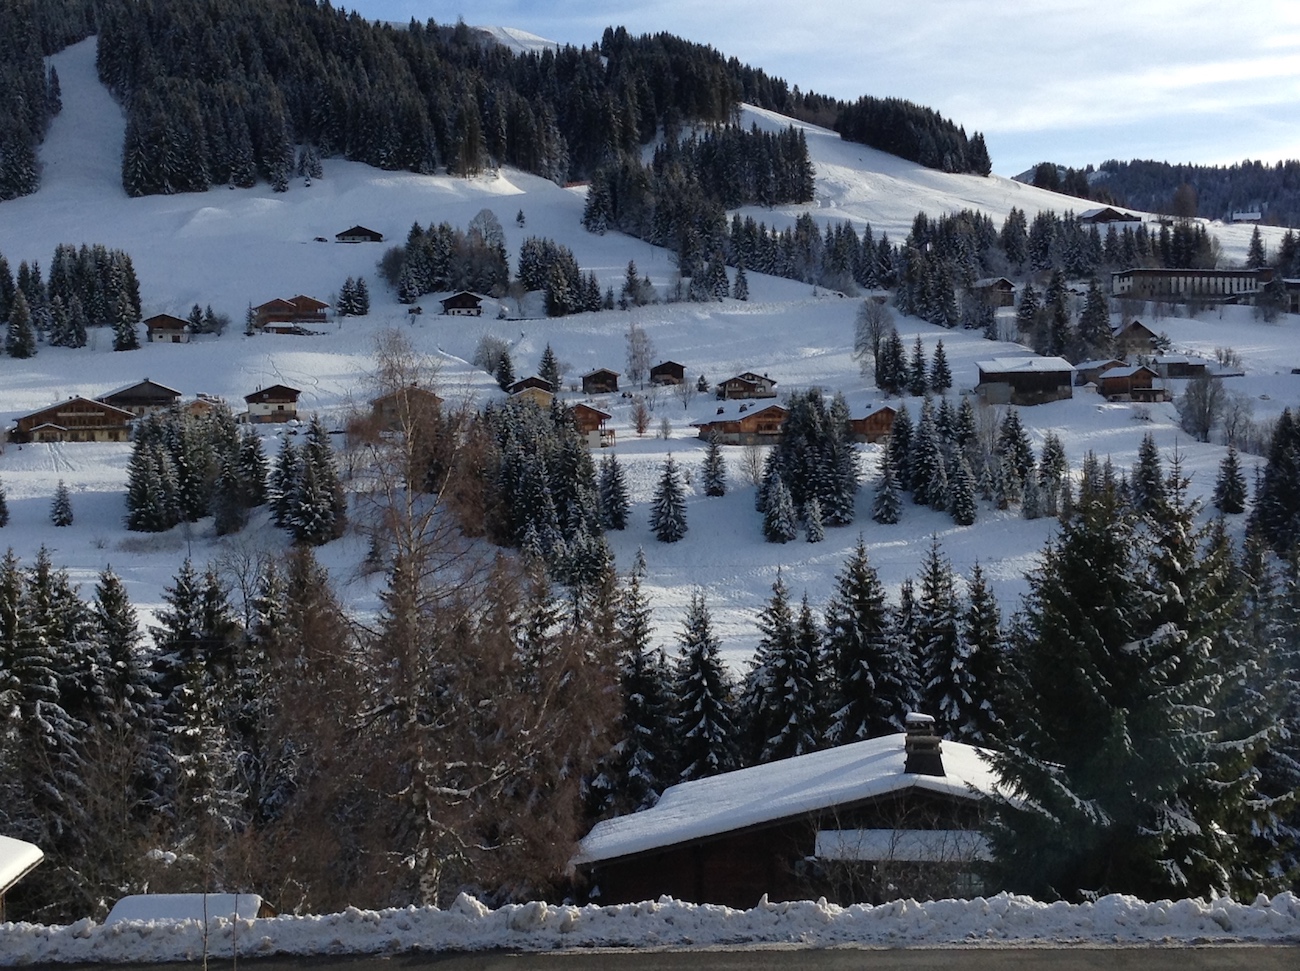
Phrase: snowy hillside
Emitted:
{"points": [[233, 248]]}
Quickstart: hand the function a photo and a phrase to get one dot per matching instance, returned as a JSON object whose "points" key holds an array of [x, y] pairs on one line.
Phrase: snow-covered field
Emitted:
{"points": [[231, 249]]}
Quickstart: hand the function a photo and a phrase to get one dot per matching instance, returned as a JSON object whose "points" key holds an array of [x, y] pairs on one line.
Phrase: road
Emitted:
{"points": [[1215, 958]]}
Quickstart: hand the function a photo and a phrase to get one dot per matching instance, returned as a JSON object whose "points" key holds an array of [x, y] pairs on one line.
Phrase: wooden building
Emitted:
{"points": [[874, 426], [996, 291], [600, 381], [532, 381], [591, 425], [1131, 383], [747, 385], [1087, 372], [744, 425], [463, 304], [1134, 337], [278, 403], [403, 408], [538, 393], [1025, 380], [1107, 215], [1218, 286], [1179, 366], [203, 404], [358, 234], [166, 329], [899, 814], [142, 397], [74, 420], [668, 373], [280, 316]]}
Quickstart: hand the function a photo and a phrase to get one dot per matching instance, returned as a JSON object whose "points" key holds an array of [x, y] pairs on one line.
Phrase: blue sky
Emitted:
{"points": [[1074, 82]]}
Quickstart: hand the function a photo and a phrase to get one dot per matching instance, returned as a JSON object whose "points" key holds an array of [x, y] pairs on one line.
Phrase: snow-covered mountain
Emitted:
{"points": [[235, 248]]}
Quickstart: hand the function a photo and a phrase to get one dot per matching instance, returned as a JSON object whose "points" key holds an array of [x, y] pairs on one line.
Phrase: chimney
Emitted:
{"points": [[923, 747]]}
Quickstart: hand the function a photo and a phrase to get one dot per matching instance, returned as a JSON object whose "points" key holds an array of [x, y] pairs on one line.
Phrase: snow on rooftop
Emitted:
{"points": [[1020, 365], [185, 906], [17, 859], [778, 790]]}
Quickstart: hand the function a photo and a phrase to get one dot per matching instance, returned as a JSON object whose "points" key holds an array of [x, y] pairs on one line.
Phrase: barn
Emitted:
{"points": [[1025, 380]]}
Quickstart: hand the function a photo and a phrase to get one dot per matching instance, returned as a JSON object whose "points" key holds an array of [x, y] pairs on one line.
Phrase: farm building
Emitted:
{"points": [[358, 234], [463, 304], [1025, 380], [166, 329], [142, 397], [74, 420], [668, 372], [591, 426], [1222, 286], [1107, 215], [747, 385], [1134, 337], [600, 381], [1135, 383], [862, 821], [995, 291], [280, 316], [874, 426], [277, 403]]}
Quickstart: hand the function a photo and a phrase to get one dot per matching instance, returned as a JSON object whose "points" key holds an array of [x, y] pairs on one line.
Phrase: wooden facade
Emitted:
{"points": [[74, 420], [995, 291], [747, 385], [1025, 381], [143, 397], [591, 426], [358, 234], [1107, 215], [166, 329], [1134, 337], [668, 373], [600, 381], [278, 403], [1087, 372], [463, 304], [404, 408], [1220, 286], [281, 316], [533, 382], [873, 427], [757, 426], [1135, 383], [539, 396]]}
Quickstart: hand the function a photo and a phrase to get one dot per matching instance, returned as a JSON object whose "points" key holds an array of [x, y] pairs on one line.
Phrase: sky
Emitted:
{"points": [[1073, 82]]}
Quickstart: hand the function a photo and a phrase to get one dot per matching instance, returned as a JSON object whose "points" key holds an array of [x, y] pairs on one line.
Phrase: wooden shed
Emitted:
{"points": [[874, 426], [1025, 380], [600, 381], [864, 821], [668, 373], [1135, 383]]}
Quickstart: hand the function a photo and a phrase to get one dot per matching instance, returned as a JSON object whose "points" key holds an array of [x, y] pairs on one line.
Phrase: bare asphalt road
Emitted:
{"points": [[1215, 958]]}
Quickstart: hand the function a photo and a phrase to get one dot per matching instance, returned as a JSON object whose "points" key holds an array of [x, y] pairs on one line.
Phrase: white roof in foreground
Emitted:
{"points": [[17, 859], [1006, 365], [185, 906], [778, 790]]}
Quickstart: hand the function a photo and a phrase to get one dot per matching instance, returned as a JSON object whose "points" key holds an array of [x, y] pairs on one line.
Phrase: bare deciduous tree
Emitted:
{"points": [[874, 321], [640, 353], [1201, 406]]}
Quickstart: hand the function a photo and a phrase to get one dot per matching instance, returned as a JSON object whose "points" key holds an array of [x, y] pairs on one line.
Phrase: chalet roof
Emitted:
{"points": [[1100, 362], [17, 859], [464, 296], [276, 392], [595, 412], [142, 390], [97, 405], [667, 364], [359, 231], [532, 381], [735, 410], [1131, 325], [989, 281], [166, 322], [752, 378], [602, 370], [304, 302], [784, 789], [1024, 365], [1108, 214], [278, 304], [1126, 372]]}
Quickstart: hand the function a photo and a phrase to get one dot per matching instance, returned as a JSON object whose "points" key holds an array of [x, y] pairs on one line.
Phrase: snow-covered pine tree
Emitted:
{"points": [[781, 702], [874, 683], [780, 525], [705, 713], [715, 469], [612, 492], [668, 509], [814, 531], [887, 506], [1230, 485], [940, 373], [926, 459], [945, 679], [548, 369], [1148, 479], [20, 334], [961, 493], [898, 451], [1013, 444], [918, 379], [740, 290], [985, 668], [4, 507], [61, 507]]}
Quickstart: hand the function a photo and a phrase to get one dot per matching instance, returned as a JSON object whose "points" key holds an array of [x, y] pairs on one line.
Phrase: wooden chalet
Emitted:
{"points": [[532, 381], [667, 373], [744, 425], [534, 389], [74, 420], [463, 304], [166, 329], [278, 403], [747, 385], [600, 381], [869, 821], [280, 316], [874, 426], [1179, 366], [1025, 380], [1134, 337], [1176, 284], [996, 291], [1087, 372], [591, 426], [358, 234], [142, 397], [1135, 383], [403, 408], [1107, 215], [203, 404]]}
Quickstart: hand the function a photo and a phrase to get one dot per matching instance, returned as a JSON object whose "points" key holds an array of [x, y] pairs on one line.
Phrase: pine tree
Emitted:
{"points": [[1230, 485], [317, 511], [918, 382], [668, 510], [985, 670], [705, 710], [740, 290], [874, 679], [505, 371], [886, 507], [780, 524], [61, 508], [940, 373], [549, 369], [715, 469], [780, 701], [4, 507], [1148, 480], [1255, 256], [945, 681], [612, 491], [1094, 322], [898, 450], [20, 335], [814, 531], [961, 493]]}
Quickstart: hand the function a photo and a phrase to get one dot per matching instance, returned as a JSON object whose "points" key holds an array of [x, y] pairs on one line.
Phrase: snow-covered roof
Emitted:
{"points": [[779, 790], [1022, 365], [17, 859], [735, 408], [185, 906], [1126, 372], [1098, 362]]}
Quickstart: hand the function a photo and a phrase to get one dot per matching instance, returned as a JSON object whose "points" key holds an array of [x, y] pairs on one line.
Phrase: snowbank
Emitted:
{"points": [[1004, 920]]}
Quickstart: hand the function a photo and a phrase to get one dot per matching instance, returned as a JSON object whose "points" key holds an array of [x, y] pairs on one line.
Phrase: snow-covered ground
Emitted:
{"points": [[467, 925]]}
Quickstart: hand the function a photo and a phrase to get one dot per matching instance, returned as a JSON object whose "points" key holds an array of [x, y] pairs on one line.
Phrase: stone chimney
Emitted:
{"points": [[923, 747]]}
